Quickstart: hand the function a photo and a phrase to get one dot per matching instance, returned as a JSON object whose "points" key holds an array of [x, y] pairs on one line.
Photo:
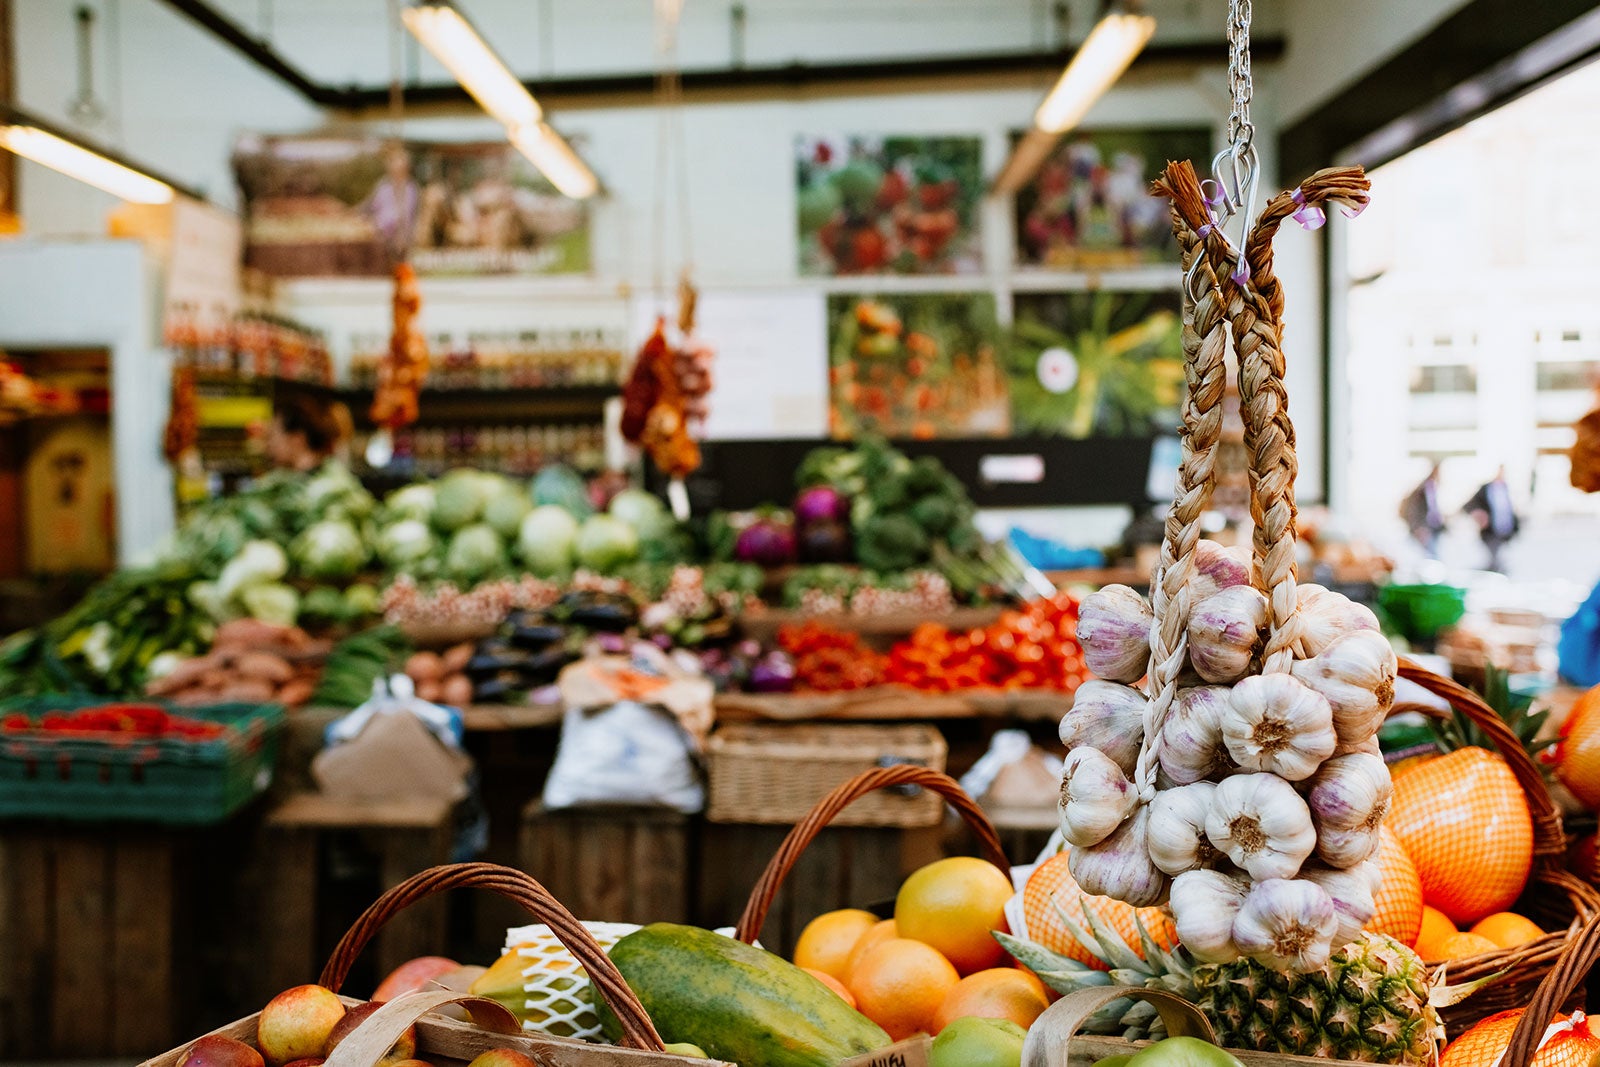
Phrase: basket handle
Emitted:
{"points": [[637, 1029], [1570, 971], [1052, 1031], [1549, 841], [807, 829], [371, 1041]]}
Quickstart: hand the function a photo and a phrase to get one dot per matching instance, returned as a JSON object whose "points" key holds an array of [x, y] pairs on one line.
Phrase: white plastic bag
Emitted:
{"points": [[626, 753]]}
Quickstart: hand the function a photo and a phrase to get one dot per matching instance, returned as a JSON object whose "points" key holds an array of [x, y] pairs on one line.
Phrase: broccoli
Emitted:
{"points": [[892, 542], [937, 515], [927, 476]]}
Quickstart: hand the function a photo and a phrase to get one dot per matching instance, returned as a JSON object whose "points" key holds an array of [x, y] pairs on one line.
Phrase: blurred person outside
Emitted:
{"points": [[1422, 514], [1491, 508]]}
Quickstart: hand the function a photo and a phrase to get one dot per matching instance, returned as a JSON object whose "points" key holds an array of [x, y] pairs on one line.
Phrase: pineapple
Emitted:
{"points": [[1373, 1002]]}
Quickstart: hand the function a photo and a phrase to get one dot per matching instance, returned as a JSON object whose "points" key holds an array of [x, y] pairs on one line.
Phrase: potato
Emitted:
{"points": [[425, 667], [456, 659], [456, 690], [428, 690]]}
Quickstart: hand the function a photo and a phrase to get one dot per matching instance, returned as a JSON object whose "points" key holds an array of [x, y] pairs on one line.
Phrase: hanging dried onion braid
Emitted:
{"points": [[1255, 311], [1205, 345]]}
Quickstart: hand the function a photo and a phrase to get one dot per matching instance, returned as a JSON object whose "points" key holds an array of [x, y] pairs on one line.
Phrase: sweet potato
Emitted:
{"points": [[456, 658], [425, 667], [456, 690], [247, 691], [428, 690], [182, 676], [264, 666], [250, 634], [296, 692]]}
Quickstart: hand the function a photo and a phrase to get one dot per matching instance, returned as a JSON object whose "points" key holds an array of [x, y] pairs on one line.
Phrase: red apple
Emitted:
{"points": [[412, 1063], [296, 1023], [214, 1050], [309, 1061], [501, 1057], [413, 975], [403, 1049]]}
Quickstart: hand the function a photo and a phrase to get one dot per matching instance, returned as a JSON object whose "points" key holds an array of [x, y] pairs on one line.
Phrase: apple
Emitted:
{"points": [[214, 1050], [412, 1063], [309, 1061], [413, 975], [501, 1057], [403, 1049], [296, 1023]]}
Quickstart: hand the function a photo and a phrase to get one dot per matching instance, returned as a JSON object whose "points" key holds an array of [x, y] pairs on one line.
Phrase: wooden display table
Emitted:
{"points": [[614, 864]]}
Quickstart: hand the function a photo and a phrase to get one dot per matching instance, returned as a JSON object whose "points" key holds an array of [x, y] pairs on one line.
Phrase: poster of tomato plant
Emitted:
{"points": [[1095, 363], [1090, 208], [919, 366], [889, 205]]}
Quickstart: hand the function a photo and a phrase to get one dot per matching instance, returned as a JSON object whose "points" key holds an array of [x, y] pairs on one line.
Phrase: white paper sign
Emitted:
{"points": [[770, 379]]}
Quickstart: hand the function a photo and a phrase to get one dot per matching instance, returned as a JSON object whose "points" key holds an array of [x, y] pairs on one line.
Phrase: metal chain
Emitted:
{"points": [[1240, 128]]}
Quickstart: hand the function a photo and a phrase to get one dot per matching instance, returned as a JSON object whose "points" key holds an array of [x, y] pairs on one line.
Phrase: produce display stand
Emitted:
{"points": [[446, 1042], [888, 703], [1557, 899], [879, 629]]}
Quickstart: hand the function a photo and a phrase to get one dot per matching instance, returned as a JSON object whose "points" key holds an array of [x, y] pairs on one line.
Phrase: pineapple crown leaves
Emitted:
{"points": [[1458, 731]]}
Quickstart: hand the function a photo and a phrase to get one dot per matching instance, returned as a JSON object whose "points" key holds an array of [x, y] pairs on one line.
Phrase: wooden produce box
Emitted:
{"points": [[623, 864]]}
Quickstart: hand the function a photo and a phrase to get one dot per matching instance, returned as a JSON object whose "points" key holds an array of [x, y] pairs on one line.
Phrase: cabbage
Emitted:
{"points": [[258, 561], [606, 543], [208, 598], [562, 486], [330, 549], [458, 499], [547, 540], [334, 492], [362, 598], [474, 551], [639, 509], [271, 602], [324, 604], [506, 509], [411, 502], [405, 542]]}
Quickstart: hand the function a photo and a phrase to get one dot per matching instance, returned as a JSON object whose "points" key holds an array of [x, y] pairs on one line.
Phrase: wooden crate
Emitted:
{"points": [[845, 867], [624, 864], [89, 966]]}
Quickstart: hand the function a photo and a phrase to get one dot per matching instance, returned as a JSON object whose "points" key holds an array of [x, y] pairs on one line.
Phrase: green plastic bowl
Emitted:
{"points": [[1419, 612]]}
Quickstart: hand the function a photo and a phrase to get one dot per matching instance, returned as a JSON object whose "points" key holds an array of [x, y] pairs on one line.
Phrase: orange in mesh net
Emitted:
{"points": [[1052, 890], [1572, 1044], [1464, 821], [1398, 901]]}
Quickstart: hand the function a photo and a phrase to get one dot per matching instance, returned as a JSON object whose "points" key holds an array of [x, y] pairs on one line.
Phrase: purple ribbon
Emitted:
{"points": [[1350, 211], [1310, 216], [1216, 198], [1206, 230], [1241, 271]]}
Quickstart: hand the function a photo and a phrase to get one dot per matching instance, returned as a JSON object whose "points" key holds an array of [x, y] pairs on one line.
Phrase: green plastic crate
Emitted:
{"points": [[103, 777]]}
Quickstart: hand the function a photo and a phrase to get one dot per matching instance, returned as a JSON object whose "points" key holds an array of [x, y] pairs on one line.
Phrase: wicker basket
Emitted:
{"points": [[763, 773], [1555, 898]]}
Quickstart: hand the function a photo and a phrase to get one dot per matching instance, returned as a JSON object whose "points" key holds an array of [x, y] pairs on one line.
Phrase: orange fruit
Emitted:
{"points": [[1485, 1043], [1578, 754], [998, 993], [876, 935], [826, 942], [1435, 930], [900, 985], [833, 984], [1460, 946], [1398, 901], [955, 905], [1051, 891], [1508, 929], [1464, 821]]}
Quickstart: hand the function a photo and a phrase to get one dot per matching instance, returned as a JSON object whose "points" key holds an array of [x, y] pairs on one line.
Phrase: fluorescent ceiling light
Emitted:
{"points": [[446, 33], [1097, 64], [84, 164], [549, 151]]}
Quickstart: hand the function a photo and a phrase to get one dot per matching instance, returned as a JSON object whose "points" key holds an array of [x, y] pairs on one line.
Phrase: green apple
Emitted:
{"points": [[683, 1048], [1183, 1052], [978, 1042]]}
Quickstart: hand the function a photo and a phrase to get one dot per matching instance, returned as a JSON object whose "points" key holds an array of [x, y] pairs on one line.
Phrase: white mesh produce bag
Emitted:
{"points": [[559, 1001]]}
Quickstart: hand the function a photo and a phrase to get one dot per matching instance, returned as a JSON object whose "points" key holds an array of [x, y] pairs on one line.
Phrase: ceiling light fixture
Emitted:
{"points": [[1113, 45], [444, 30], [31, 139]]}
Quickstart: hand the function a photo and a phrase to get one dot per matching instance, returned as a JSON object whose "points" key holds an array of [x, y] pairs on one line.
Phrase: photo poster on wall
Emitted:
{"points": [[916, 365], [355, 207], [888, 204], [769, 377], [1090, 208], [1102, 363]]}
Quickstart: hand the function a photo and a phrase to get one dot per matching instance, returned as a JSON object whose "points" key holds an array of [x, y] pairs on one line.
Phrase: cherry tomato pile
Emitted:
{"points": [[1034, 648], [828, 660], [132, 720]]}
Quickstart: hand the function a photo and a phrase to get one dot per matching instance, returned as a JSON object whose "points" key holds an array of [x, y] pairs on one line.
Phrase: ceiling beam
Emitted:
{"points": [[632, 88]]}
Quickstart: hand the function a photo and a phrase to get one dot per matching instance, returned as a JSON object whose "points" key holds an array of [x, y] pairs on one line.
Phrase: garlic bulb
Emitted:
{"points": [[1326, 616], [1351, 892], [1204, 907], [1217, 568], [1349, 798], [1260, 823], [1107, 716], [1370, 746], [1114, 630], [1225, 631], [1356, 675], [1095, 797], [1278, 724], [1192, 748], [1177, 835], [1120, 865], [1287, 925]]}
